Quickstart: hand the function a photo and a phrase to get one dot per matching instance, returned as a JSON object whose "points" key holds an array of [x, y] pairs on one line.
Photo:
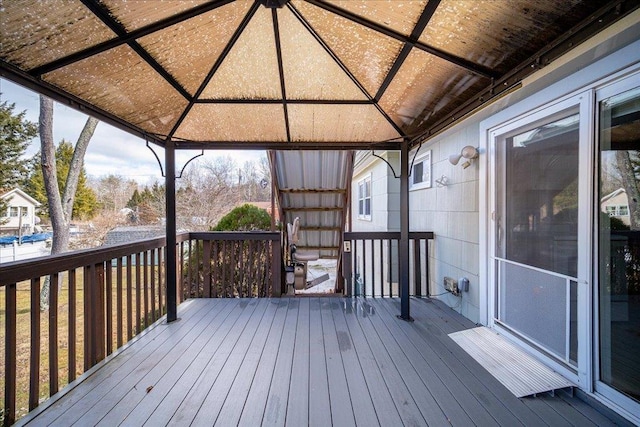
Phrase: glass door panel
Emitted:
{"points": [[619, 243]]}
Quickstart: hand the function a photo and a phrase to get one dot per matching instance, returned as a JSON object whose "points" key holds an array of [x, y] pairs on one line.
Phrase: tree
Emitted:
{"points": [[627, 169], [60, 204], [113, 192], [15, 135], [85, 205], [245, 218]]}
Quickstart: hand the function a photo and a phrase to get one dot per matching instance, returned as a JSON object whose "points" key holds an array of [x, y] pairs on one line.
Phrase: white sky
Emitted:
{"points": [[111, 151]]}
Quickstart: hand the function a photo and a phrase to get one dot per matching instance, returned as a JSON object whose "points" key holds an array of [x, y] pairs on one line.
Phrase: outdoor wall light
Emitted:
{"points": [[469, 153]]}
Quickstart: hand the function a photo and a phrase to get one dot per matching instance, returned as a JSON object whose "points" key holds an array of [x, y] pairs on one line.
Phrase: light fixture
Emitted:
{"points": [[443, 181], [469, 153]]}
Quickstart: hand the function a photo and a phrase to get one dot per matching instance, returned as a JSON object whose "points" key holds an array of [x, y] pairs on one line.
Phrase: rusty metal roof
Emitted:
{"points": [[280, 74]]}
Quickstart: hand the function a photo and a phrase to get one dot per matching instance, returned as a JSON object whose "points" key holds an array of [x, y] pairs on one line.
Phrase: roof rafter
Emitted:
{"points": [[225, 52], [283, 88], [344, 68], [133, 35], [468, 65], [103, 14], [424, 19]]}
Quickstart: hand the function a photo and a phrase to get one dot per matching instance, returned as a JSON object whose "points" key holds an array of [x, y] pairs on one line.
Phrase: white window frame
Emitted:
{"points": [[14, 211], [362, 198], [425, 178]]}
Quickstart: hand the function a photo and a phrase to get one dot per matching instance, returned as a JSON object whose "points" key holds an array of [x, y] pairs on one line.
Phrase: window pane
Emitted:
{"points": [[540, 181], [367, 206], [417, 172]]}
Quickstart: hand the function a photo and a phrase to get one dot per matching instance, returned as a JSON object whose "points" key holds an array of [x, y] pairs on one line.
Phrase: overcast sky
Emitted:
{"points": [[111, 151]]}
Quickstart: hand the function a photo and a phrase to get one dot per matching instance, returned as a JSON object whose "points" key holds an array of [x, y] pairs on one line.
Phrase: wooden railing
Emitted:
{"points": [[101, 298], [374, 263]]}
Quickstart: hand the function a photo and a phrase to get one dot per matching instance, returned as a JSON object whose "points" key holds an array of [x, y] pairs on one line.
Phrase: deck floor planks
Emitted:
{"points": [[192, 402], [318, 382], [385, 408], [232, 409], [298, 402], [455, 403], [445, 356], [219, 391], [318, 361], [120, 364], [363, 409], [256, 401], [276, 408], [98, 399], [538, 411], [144, 396], [172, 398], [341, 408], [400, 393]]}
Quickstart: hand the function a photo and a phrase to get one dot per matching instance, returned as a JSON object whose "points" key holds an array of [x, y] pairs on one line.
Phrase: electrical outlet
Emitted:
{"points": [[451, 285]]}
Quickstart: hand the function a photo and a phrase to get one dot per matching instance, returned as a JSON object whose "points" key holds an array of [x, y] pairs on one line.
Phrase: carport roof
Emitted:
{"points": [[281, 74]]}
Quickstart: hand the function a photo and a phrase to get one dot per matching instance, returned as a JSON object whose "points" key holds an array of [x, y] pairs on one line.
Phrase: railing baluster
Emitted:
{"points": [[98, 313], [10, 346], [109, 302], [119, 328], [129, 300], [417, 270], [138, 295], [72, 324], [34, 359], [381, 267], [161, 281], [390, 267], [145, 277], [53, 335], [206, 271], [154, 315]]}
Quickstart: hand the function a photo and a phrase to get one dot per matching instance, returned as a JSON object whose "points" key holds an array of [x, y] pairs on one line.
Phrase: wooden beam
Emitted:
{"points": [[313, 190], [314, 228], [318, 248], [313, 209]]}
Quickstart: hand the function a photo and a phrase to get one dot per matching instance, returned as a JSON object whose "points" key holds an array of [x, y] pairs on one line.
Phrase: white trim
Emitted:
{"points": [[426, 159]]}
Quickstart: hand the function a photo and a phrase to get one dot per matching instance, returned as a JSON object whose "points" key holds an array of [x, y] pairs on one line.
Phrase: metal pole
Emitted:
{"points": [[171, 268], [403, 244]]}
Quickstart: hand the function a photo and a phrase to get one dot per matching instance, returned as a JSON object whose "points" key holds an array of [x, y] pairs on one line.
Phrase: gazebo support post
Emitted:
{"points": [[170, 266], [403, 244]]}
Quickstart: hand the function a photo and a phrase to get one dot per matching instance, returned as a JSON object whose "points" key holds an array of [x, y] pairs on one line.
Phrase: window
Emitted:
{"points": [[364, 198], [623, 210], [421, 171], [13, 211]]}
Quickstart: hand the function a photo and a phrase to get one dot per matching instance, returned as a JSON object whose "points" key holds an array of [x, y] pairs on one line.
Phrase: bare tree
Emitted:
{"points": [[630, 184], [60, 204]]}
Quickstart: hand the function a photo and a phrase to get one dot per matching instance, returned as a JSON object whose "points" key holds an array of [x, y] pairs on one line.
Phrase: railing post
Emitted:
{"points": [[10, 345], [276, 268]]}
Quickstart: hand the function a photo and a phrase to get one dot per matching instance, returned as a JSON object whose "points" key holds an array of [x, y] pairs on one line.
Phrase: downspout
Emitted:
{"points": [[170, 262], [403, 244]]}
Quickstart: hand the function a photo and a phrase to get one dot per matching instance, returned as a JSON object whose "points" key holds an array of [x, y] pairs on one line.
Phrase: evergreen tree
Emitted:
{"points": [[15, 135], [85, 205]]}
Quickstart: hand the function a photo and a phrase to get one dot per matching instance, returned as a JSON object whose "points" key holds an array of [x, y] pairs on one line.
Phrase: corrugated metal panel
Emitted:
{"points": [[314, 170], [516, 369]]}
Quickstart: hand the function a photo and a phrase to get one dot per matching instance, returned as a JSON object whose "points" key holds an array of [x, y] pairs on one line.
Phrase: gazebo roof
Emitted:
{"points": [[284, 74]]}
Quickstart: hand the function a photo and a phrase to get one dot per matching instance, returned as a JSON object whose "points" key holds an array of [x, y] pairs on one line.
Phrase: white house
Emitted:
{"points": [[20, 213], [521, 221], [616, 205]]}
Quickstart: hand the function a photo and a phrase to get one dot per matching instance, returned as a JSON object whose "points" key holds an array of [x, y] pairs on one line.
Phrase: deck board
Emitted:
{"points": [[295, 361]]}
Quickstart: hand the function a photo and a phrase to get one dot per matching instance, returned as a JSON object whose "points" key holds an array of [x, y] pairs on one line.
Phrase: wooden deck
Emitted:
{"points": [[303, 361]]}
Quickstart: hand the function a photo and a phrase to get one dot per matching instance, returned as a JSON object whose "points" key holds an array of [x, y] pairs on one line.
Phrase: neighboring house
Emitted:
{"points": [[20, 214], [519, 221], [616, 205]]}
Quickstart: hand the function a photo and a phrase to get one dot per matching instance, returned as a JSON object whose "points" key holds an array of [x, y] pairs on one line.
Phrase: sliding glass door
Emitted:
{"points": [[540, 184], [618, 307]]}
